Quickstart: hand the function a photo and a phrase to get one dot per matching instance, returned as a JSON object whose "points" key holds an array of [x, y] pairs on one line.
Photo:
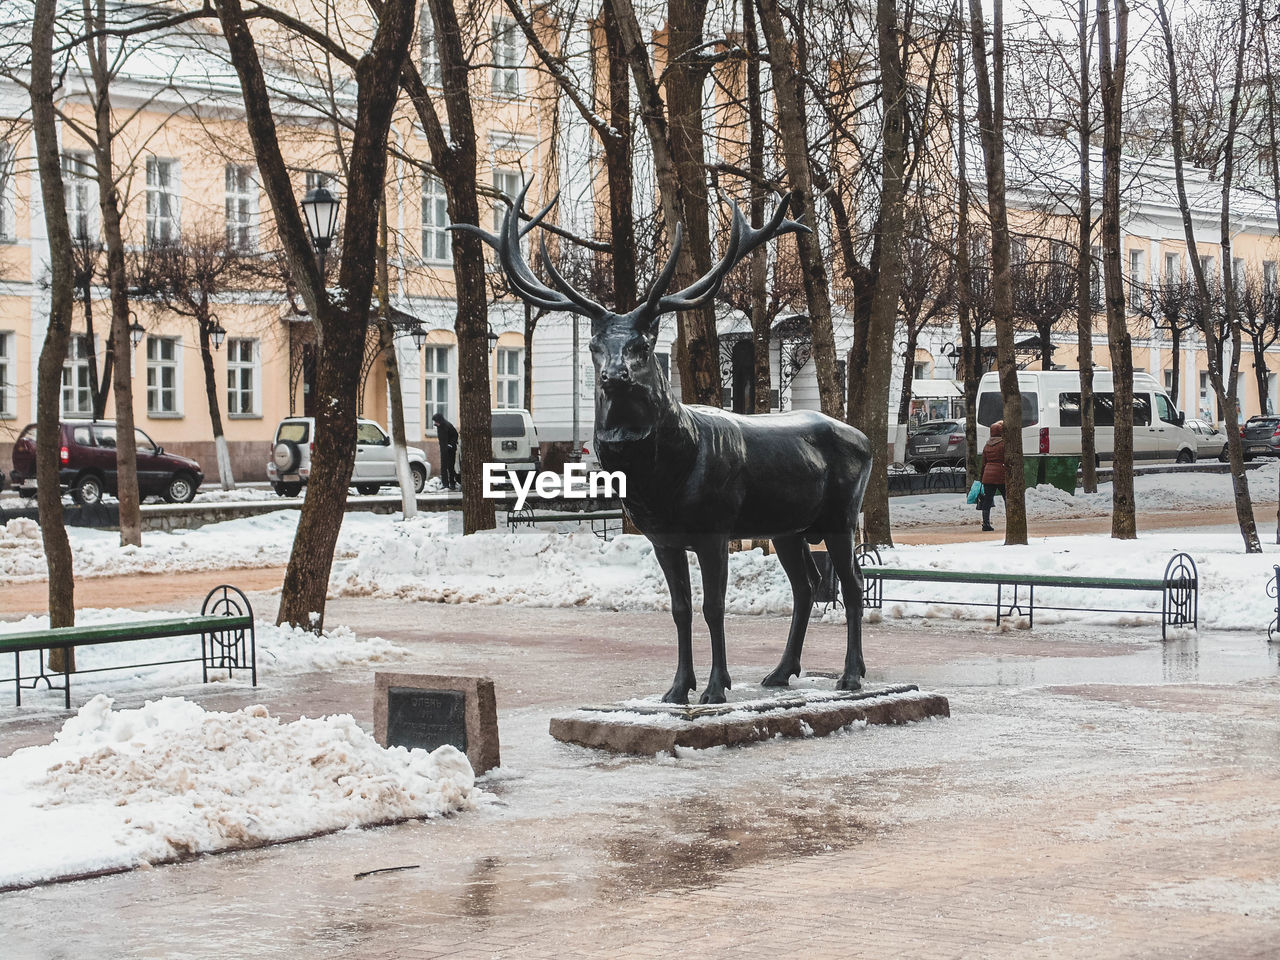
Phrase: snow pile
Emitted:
{"points": [[1182, 491], [121, 788], [259, 541], [282, 650], [548, 570], [543, 569]]}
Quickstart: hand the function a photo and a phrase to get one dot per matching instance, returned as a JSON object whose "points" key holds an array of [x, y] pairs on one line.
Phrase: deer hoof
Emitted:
{"points": [[677, 694], [849, 683], [781, 677], [712, 696]]}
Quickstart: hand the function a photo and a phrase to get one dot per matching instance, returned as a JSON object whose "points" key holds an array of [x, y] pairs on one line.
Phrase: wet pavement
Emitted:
{"points": [[1095, 793]]}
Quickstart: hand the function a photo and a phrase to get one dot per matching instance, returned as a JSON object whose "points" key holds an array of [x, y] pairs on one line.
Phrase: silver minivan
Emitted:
{"points": [[289, 468]]}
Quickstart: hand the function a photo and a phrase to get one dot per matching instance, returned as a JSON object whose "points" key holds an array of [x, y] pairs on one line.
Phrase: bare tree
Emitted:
{"points": [[187, 276], [1044, 291], [341, 323], [928, 291], [990, 84], [1258, 314], [53, 533]]}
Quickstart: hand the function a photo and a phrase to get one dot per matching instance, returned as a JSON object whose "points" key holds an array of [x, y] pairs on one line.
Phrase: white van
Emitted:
{"points": [[1051, 416]]}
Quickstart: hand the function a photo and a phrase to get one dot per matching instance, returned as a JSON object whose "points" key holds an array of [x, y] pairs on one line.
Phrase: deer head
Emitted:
{"points": [[632, 392]]}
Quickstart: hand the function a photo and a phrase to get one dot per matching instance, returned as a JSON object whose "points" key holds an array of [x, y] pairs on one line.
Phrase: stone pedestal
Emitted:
{"points": [[427, 711], [812, 708]]}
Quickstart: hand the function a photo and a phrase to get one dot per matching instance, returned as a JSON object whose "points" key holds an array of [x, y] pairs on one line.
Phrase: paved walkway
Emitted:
{"points": [[1092, 796]]}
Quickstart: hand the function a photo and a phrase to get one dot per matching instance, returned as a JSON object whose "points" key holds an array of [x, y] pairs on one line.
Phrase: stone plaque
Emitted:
{"points": [[426, 718], [427, 711]]}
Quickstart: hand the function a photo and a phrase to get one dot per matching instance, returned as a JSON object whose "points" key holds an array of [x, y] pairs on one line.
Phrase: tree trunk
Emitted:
{"points": [[53, 533], [387, 346], [762, 378], [908, 372], [969, 343], [1175, 345], [530, 327], [793, 129], [619, 169], [1124, 524], [1084, 261], [991, 128], [118, 285], [225, 478]]}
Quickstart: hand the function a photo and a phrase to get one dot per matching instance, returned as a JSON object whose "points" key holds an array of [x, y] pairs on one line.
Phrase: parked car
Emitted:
{"points": [[515, 441], [936, 443], [289, 468], [1210, 441], [88, 454], [1260, 437]]}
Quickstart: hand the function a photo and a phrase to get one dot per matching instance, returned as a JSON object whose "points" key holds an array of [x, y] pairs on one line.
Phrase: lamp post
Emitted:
{"points": [[320, 211], [136, 330], [217, 332], [492, 338], [419, 335]]}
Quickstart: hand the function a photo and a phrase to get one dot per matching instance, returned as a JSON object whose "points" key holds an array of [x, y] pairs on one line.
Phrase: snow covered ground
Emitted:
{"points": [[120, 788]]}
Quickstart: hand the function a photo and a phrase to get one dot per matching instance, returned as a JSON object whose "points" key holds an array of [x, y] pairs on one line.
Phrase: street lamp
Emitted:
{"points": [[419, 335], [492, 338], [320, 210], [136, 330], [217, 332]]}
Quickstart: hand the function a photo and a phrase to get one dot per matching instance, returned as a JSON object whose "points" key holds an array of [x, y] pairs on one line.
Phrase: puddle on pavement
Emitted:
{"points": [[1214, 658]]}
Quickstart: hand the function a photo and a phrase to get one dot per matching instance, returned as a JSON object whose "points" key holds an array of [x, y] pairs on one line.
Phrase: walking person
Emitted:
{"points": [[447, 434], [993, 479]]}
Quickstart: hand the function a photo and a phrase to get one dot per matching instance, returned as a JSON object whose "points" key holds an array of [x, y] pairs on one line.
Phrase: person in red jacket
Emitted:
{"points": [[992, 473]]}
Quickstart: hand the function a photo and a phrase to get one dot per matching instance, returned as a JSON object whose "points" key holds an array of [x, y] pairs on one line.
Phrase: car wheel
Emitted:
{"points": [[287, 456], [88, 490], [288, 489], [1225, 455], [419, 476], [181, 489], [1186, 456], [367, 489]]}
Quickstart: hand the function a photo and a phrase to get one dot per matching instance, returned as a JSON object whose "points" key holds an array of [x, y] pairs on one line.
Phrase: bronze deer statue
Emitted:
{"points": [[699, 476]]}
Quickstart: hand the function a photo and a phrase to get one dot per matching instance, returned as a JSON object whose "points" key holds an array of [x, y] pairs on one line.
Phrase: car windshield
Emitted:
{"points": [[1263, 423], [940, 428], [297, 431], [508, 425]]}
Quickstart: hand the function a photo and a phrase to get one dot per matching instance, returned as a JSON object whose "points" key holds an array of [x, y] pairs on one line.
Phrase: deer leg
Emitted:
{"points": [[714, 560], [675, 567], [840, 549], [793, 554]]}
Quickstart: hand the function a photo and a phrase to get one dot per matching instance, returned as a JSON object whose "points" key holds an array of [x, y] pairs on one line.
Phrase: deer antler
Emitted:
{"points": [[742, 240], [524, 282]]}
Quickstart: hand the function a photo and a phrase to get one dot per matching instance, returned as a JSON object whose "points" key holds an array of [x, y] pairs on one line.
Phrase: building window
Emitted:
{"points": [[506, 182], [436, 242], [1172, 267], [162, 376], [920, 370], [1137, 278], [508, 57], [162, 201], [1207, 268], [77, 398], [242, 207], [77, 182], [510, 378], [320, 178], [1207, 399], [1168, 384], [1018, 251], [8, 193], [1269, 279], [435, 369], [1269, 401], [8, 390], [428, 50], [242, 378]]}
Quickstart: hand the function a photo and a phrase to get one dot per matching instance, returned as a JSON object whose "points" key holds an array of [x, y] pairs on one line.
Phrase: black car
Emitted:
{"points": [[88, 470], [1260, 437], [937, 443]]}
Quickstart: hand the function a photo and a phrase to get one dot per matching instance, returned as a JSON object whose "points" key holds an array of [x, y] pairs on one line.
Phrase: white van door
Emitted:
{"points": [[1146, 432], [1172, 436]]}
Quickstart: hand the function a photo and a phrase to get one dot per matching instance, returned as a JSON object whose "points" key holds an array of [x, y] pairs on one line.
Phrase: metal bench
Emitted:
{"points": [[1180, 589], [225, 628], [528, 517]]}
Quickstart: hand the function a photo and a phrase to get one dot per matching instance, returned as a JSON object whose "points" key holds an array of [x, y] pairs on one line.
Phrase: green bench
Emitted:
{"points": [[528, 517], [1180, 587], [225, 628]]}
